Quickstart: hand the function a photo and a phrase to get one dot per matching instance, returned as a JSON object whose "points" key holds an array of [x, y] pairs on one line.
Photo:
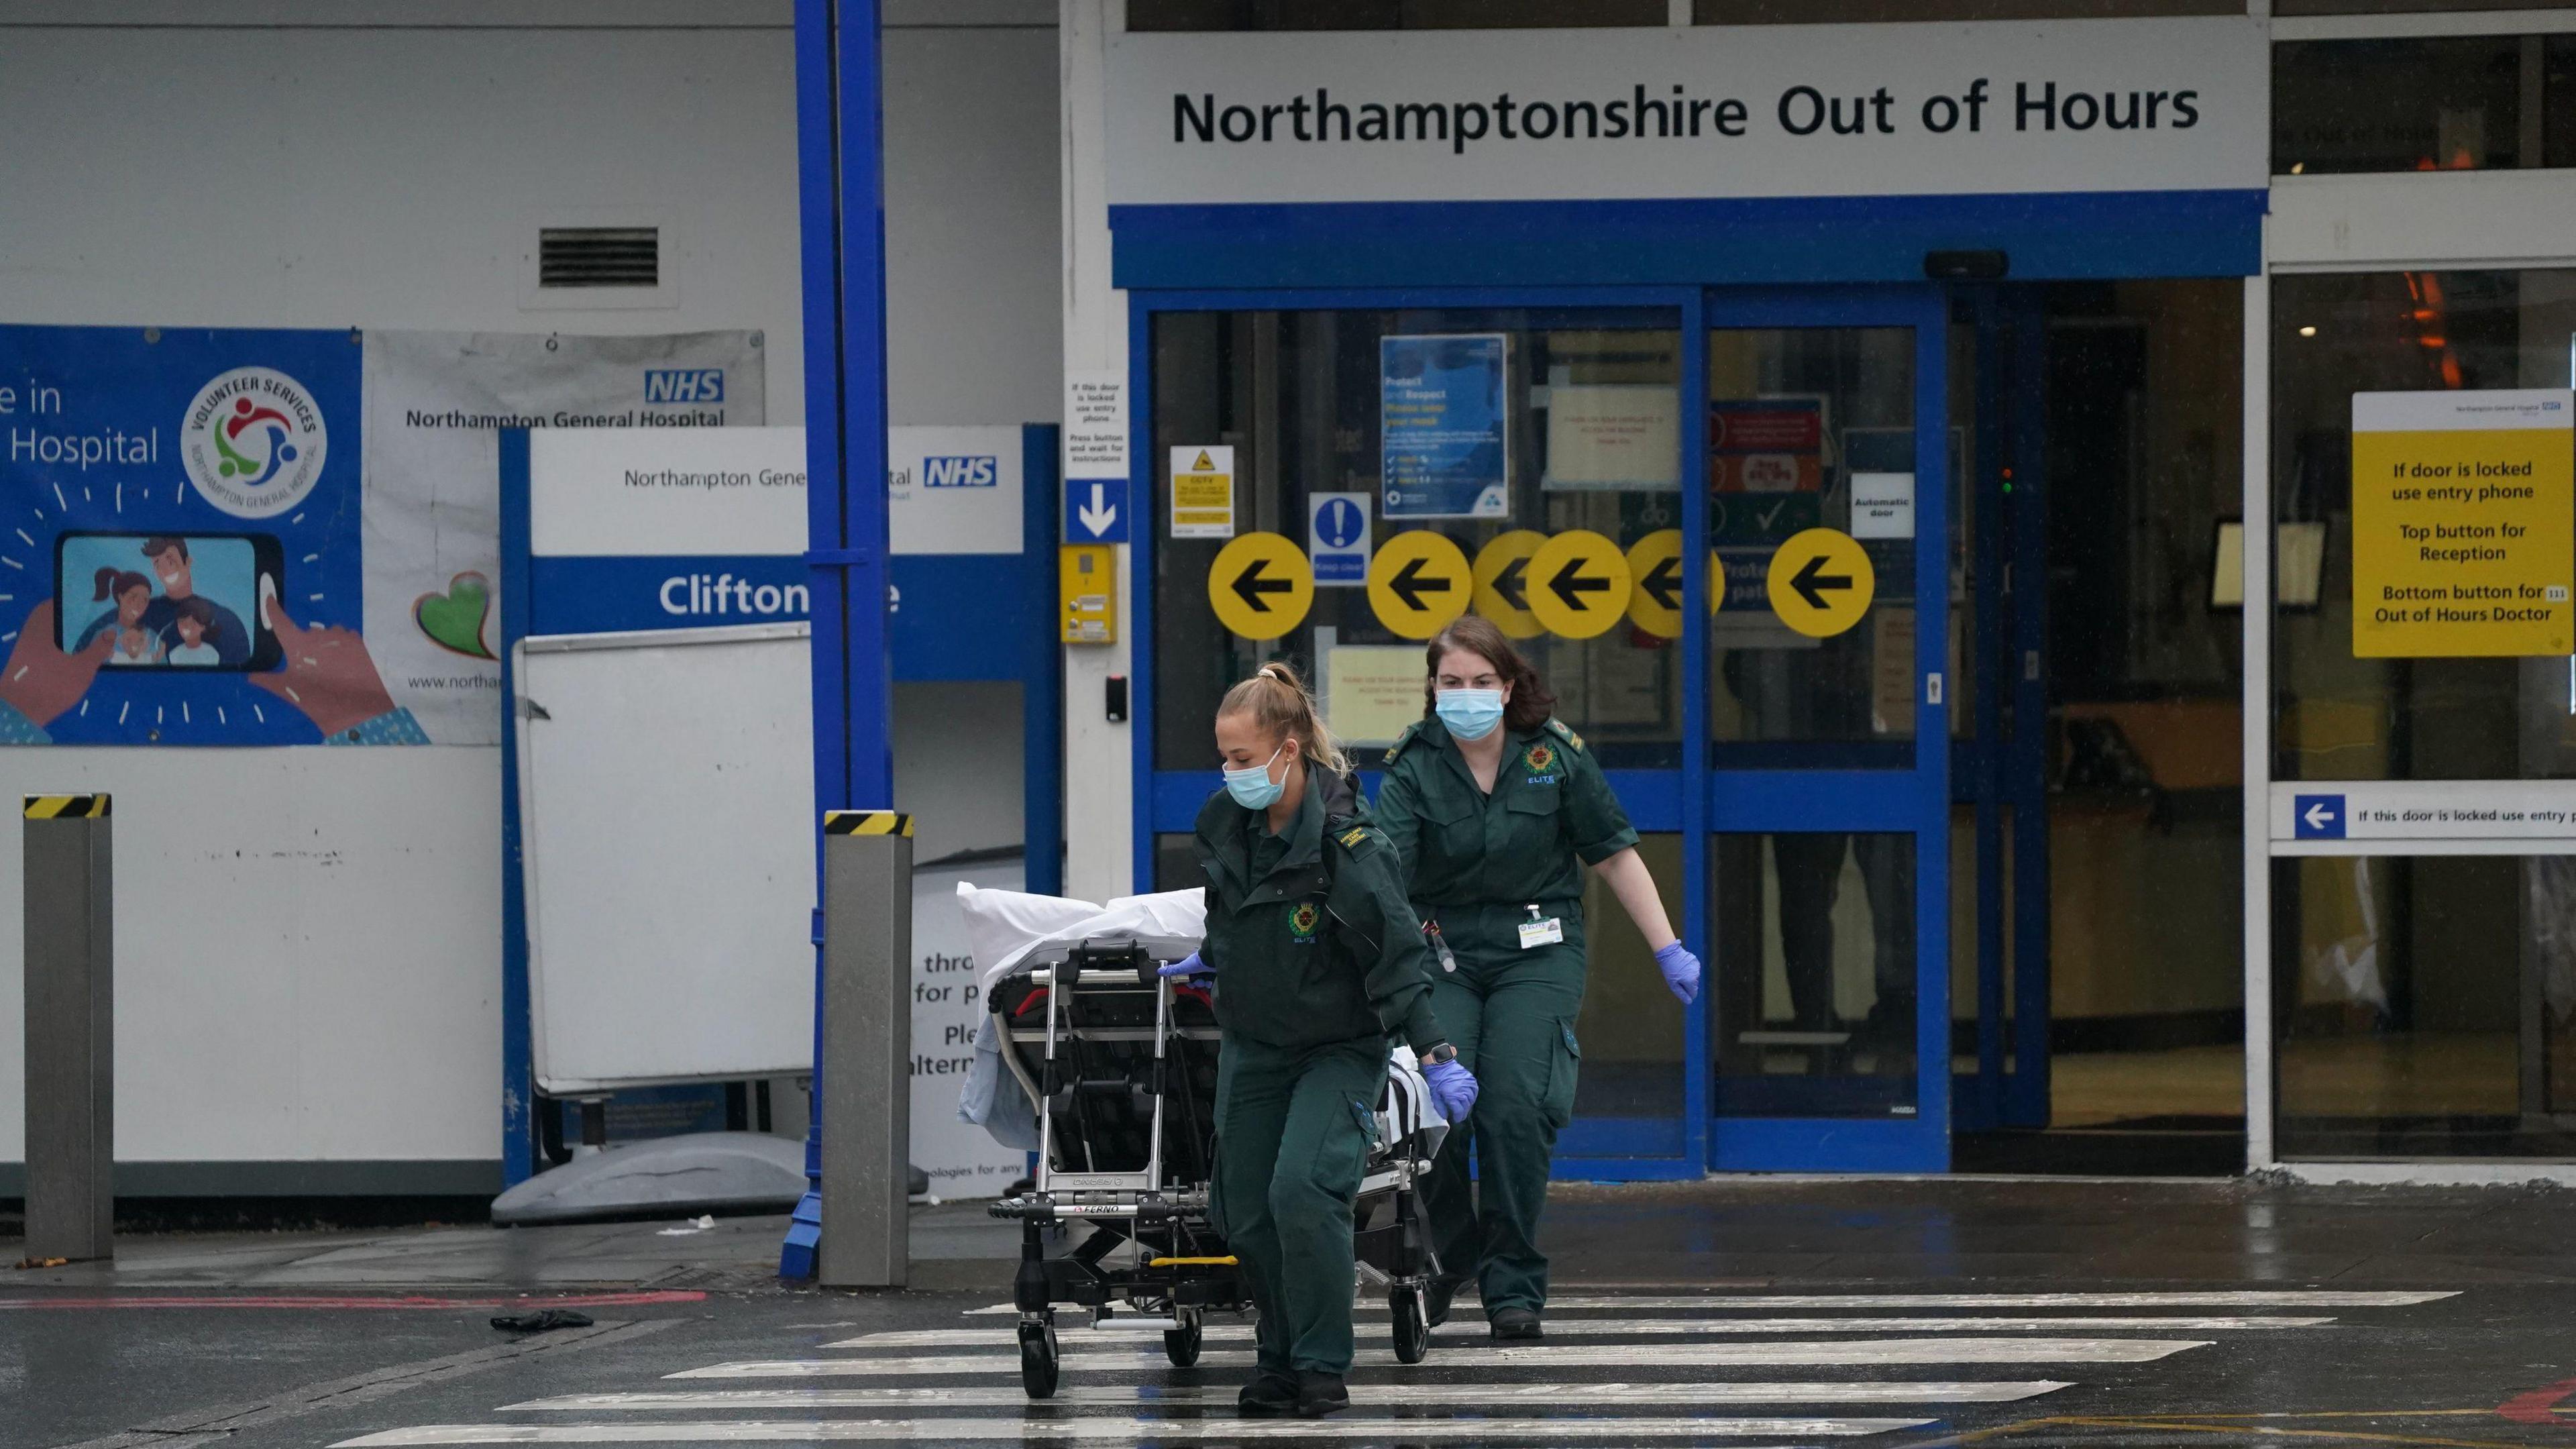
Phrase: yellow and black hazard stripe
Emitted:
{"points": [[866, 822], [67, 807]]}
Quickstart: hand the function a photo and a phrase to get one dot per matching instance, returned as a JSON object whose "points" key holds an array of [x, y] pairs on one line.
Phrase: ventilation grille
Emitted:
{"points": [[599, 256]]}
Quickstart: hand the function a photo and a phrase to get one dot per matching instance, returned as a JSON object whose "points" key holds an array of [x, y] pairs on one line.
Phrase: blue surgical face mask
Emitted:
{"points": [[1470, 714], [1252, 787]]}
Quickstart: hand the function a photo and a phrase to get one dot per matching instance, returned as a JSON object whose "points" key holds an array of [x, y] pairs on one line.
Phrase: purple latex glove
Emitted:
{"points": [[1453, 1089], [1681, 971], [1189, 965]]}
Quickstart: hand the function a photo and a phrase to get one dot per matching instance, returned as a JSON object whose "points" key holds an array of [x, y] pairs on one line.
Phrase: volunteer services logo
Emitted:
{"points": [[253, 442]]}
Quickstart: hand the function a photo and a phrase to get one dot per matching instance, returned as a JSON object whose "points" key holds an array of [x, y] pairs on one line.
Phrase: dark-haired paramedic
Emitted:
{"points": [[1497, 808]]}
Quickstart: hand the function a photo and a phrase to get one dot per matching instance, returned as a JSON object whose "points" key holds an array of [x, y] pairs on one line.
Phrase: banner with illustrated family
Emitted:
{"points": [[269, 537]]}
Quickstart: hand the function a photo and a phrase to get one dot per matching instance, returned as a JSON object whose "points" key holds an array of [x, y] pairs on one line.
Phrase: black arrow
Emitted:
{"points": [[1409, 584], [1250, 586], [1569, 587], [1809, 583], [1663, 582], [1513, 584]]}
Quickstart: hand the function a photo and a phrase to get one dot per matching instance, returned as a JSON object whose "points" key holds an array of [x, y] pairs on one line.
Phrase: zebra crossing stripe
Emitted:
{"points": [[2194, 1298], [1830, 1351], [1124, 1337], [1879, 1391], [1122, 1431]]}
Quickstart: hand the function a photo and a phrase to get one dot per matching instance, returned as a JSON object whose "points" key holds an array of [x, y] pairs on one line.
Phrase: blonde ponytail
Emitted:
{"points": [[1278, 702]]}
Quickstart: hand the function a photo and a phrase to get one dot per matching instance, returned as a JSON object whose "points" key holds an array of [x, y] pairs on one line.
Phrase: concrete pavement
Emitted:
{"points": [[1738, 1312]]}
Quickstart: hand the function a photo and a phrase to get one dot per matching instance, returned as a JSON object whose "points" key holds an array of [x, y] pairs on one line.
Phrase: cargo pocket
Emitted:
{"points": [[1564, 1060]]}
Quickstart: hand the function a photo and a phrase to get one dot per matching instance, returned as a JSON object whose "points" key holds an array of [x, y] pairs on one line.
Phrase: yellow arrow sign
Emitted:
{"points": [[1821, 582], [1655, 588], [1418, 583], [1578, 584], [1260, 586], [1502, 582]]}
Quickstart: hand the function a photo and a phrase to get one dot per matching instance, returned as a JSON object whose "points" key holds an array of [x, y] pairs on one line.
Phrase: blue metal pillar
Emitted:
{"points": [[840, 165]]}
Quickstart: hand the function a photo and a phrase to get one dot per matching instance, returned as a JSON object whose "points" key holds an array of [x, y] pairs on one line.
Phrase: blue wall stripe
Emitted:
{"points": [[2051, 235]]}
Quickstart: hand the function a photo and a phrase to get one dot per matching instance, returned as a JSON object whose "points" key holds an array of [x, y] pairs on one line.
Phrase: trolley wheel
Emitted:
{"points": [[1412, 1325], [1181, 1345], [1038, 1360]]}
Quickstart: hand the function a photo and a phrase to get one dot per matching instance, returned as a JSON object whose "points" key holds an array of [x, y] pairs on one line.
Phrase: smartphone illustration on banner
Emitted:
{"points": [[169, 602]]}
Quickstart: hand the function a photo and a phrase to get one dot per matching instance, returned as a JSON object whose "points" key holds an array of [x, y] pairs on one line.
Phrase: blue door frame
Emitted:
{"points": [[2002, 763], [1763, 797], [1746, 791]]}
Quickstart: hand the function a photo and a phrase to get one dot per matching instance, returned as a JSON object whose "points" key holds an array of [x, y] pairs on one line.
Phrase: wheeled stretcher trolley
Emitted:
{"points": [[1121, 1063]]}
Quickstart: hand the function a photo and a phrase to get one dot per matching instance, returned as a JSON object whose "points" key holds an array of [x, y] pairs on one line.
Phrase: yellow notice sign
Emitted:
{"points": [[1203, 491], [2463, 523]]}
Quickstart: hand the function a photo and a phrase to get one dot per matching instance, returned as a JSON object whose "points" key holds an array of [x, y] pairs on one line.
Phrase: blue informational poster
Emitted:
{"points": [[181, 563], [1442, 419]]}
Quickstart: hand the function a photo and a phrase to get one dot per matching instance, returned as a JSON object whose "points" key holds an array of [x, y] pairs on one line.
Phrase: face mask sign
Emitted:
{"points": [[1469, 714], [1252, 787]]}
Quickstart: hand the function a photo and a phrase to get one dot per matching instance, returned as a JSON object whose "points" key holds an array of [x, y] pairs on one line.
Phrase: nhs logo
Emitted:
{"points": [[961, 472], [685, 385]]}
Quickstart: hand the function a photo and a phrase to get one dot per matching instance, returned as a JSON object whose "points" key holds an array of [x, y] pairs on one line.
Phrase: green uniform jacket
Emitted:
{"points": [[1476, 863], [1321, 947]]}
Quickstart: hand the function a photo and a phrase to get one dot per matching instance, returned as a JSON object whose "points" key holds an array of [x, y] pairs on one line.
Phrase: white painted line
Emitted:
{"points": [[1474, 1333], [1831, 1351], [2198, 1298], [1121, 1431], [1737, 1391]]}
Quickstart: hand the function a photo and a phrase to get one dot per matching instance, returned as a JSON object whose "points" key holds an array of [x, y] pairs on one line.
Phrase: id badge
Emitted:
{"points": [[1541, 933]]}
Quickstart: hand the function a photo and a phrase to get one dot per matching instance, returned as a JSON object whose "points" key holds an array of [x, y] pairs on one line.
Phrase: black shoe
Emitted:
{"points": [[1271, 1393], [1436, 1298], [1320, 1394], [1515, 1323]]}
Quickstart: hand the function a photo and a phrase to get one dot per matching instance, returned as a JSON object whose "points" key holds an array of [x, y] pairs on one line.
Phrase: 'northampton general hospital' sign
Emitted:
{"points": [[1709, 111]]}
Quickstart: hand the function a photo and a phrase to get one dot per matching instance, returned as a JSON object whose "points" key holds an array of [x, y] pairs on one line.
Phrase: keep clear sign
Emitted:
{"points": [[2463, 523]]}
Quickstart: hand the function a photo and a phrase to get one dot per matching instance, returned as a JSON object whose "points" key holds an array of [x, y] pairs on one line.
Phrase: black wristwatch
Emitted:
{"points": [[1444, 1052]]}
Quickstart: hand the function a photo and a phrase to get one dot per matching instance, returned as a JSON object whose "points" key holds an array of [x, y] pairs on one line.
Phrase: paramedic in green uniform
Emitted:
{"points": [[1496, 808], [1318, 961]]}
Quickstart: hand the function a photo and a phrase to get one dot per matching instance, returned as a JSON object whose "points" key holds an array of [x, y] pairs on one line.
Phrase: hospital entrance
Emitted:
{"points": [[1902, 618]]}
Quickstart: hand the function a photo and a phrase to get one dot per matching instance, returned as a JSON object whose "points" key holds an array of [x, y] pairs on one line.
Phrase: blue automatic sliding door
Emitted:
{"points": [[1553, 413]]}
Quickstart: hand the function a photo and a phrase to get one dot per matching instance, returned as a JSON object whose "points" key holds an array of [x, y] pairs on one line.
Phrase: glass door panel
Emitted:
{"points": [[1827, 660]]}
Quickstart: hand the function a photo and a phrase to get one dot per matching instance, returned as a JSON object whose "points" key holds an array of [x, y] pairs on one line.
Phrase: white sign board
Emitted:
{"points": [[1707, 111], [653, 492], [1095, 424], [664, 781], [953, 490], [1882, 505], [2526, 816], [961, 1159]]}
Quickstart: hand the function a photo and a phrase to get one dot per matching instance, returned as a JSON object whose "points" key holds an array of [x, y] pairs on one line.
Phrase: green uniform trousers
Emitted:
{"points": [[1512, 1020], [1294, 1126]]}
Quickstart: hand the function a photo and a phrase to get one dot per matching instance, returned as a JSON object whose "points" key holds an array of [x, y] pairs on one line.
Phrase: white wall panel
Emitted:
{"points": [[310, 939]]}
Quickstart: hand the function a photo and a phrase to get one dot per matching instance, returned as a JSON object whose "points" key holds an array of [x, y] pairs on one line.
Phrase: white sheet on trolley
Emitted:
{"points": [[1007, 929], [1011, 931]]}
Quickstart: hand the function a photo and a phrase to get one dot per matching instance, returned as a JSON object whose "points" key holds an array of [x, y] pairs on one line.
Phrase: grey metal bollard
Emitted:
{"points": [[867, 1042], [70, 985]]}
